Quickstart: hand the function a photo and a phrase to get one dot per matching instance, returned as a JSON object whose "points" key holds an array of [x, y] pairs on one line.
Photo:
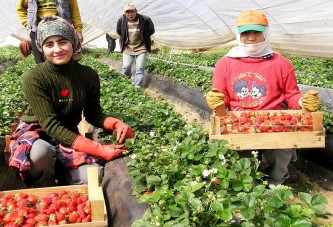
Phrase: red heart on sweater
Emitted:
{"points": [[64, 93]]}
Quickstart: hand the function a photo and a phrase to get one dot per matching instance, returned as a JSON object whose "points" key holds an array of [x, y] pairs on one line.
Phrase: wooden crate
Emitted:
{"points": [[272, 140], [95, 194]]}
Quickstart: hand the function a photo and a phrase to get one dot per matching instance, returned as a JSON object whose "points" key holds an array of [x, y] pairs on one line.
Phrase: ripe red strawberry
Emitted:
{"points": [[73, 217], [60, 216], [148, 192], [87, 219], [32, 199]]}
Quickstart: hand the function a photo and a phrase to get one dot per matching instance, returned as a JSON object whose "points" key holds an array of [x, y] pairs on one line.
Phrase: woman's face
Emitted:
{"points": [[252, 37], [58, 50]]}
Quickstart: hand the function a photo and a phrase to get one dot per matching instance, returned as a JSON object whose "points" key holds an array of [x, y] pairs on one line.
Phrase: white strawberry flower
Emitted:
{"points": [[206, 173], [133, 156], [152, 134]]}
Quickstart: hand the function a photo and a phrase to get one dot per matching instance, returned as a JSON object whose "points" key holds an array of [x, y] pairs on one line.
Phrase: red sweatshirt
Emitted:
{"points": [[257, 84]]}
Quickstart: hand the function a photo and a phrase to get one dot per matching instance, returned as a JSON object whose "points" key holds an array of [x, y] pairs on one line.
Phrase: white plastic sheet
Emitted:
{"points": [[300, 27]]}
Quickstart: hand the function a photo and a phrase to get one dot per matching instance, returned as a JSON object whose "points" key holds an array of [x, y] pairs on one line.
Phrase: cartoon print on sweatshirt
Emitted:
{"points": [[250, 88]]}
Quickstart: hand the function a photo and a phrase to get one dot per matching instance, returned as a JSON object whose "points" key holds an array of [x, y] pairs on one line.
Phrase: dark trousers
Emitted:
{"points": [[111, 43], [39, 56]]}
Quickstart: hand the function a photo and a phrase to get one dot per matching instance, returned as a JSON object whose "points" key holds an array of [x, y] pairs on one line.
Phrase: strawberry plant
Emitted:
{"points": [[181, 74], [11, 96], [9, 53]]}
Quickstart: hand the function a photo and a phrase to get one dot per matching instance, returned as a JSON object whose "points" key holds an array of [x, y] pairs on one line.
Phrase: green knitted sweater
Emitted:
{"points": [[57, 95]]}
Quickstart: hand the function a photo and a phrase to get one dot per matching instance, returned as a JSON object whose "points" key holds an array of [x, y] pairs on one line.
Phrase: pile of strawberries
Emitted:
{"points": [[58, 208], [265, 122]]}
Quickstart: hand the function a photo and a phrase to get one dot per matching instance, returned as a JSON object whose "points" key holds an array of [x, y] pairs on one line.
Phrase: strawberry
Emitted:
{"points": [[86, 219], [73, 217], [288, 117], [148, 192], [32, 199], [20, 195]]}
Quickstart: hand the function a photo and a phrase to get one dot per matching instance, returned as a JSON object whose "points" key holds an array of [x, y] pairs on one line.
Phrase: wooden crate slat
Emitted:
{"points": [[317, 119], [96, 197], [42, 192], [281, 140]]}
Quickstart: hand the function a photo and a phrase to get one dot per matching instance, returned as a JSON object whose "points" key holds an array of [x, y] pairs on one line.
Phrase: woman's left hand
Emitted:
{"points": [[79, 34], [123, 131]]}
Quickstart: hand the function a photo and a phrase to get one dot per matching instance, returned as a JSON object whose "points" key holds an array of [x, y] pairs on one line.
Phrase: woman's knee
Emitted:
{"points": [[42, 153], [80, 175]]}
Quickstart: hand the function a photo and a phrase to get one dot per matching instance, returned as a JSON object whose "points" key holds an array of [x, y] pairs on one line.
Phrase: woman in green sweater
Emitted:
{"points": [[47, 143]]}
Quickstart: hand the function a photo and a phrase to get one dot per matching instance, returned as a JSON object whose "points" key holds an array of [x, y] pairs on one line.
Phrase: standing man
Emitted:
{"points": [[134, 30], [31, 12]]}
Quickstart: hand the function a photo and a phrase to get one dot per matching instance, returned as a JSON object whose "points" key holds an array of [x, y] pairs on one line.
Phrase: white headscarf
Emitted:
{"points": [[252, 50]]}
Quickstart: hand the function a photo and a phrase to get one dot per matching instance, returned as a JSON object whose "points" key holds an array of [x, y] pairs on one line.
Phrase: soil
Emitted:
{"points": [[298, 181]]}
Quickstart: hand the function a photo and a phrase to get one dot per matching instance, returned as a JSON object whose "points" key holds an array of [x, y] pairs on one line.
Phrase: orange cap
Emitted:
{"points": [[251, 20]]}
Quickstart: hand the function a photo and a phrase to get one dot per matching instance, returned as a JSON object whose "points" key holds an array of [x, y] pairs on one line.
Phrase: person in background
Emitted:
{"points": [[252, 77], [111, 43], [135, 31], [47, 148], [30, 13]]}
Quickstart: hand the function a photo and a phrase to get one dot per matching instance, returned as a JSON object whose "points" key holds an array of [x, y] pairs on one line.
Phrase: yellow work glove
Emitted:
{"points": [[214, 98], [310, 101]]}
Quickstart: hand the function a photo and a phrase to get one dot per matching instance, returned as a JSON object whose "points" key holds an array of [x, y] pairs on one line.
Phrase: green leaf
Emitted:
{"points": [[195, 203], [243, 165], [216, 206], [318, 199], [224, 183], [319, 209], [259, 189], [211, 153], [176, 211], [249, 200], [225, 214], [138, 185], [196, 186], [248, 213], [247, 183], [282, 220], [184, 196], [237, 186], [275, 202], [305, 197], [295, 210], [301, 222], [307, 211], [153, 180]]}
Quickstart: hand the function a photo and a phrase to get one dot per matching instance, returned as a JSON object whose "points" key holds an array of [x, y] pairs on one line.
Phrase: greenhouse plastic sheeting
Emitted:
{"points": [[300, 27]]}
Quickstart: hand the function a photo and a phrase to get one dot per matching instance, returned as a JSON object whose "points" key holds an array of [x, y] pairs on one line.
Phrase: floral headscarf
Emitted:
{"points": [[57, 26]]}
